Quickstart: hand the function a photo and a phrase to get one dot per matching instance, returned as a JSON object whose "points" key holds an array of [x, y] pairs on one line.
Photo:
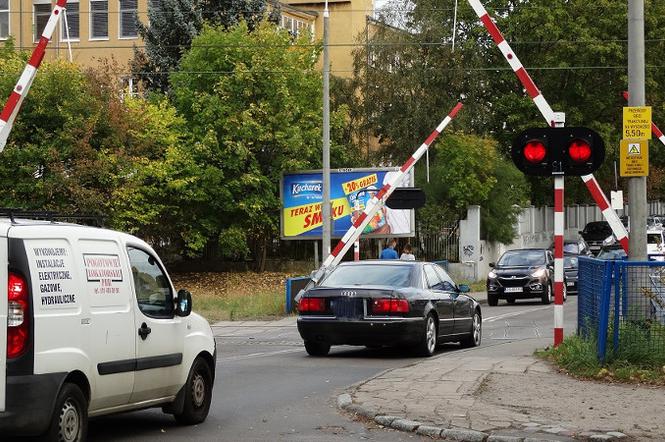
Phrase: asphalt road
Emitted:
{"points": [[268, 389]]}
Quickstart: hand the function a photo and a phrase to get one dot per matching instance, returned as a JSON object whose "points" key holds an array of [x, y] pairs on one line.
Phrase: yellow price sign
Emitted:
{"points": [[637, 122]]}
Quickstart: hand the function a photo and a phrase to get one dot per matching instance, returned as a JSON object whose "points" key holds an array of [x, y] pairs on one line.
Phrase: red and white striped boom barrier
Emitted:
{"points": [[377, 201], [22, 87], [599, 197]]}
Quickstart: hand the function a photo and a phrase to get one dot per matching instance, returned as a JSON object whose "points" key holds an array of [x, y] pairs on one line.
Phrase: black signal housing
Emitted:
{"points": [[573, 151]]}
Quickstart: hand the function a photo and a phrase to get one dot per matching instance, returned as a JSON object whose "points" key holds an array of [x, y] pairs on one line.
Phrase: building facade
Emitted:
{"points": [[92, 30]]}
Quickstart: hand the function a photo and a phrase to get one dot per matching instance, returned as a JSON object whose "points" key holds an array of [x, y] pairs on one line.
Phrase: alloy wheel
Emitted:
{"points": [[431, 334]]}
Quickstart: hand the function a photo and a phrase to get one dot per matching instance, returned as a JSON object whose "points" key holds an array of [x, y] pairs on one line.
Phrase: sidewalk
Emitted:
{"points": [[516, 398]]}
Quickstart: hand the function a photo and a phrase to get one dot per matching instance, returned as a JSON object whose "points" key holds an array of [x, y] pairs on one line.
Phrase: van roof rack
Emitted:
{"points": [[90, 220]]}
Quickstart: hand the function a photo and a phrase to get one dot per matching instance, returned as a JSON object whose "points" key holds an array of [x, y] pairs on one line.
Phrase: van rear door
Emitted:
{"points": [[3, 321]]}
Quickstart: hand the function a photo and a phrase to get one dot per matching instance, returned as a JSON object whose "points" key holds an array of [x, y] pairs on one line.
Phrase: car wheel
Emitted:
{"points": [[510, 300], [429, 337], [70, 416], [475, 335], [317, 348], [492, 300], [547, 296], [198, 394]]}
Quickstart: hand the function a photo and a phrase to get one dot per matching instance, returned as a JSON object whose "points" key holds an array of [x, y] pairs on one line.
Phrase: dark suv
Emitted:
{"points": [[522, 273]]}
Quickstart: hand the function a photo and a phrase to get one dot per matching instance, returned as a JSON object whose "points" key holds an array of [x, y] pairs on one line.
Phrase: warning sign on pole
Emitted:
{"points": [[634, 156], [637, 122]]}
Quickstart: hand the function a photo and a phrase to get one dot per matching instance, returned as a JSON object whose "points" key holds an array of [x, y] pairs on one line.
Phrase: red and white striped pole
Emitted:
{"points": [[599, 197], [377, 201], [22, 87], [558, 258]]}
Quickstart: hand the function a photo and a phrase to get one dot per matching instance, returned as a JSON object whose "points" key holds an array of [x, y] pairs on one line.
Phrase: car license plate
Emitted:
{"points": [[570, 283], [514, 289]]}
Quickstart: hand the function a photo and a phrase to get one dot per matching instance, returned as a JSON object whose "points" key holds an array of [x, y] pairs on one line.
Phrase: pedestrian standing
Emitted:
{"points": [[407, 254], [390, 252]]}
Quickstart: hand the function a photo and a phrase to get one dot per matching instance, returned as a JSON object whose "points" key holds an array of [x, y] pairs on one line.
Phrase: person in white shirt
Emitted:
{"points": [[407, 255]]}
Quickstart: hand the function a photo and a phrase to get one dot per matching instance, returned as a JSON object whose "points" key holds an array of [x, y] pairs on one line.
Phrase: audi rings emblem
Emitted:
{"points": [[349, 293]]}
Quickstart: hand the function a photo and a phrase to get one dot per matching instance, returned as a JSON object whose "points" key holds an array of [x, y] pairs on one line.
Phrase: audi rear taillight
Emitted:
{"points": [[385, 306], [313, 305], [18, 330]]}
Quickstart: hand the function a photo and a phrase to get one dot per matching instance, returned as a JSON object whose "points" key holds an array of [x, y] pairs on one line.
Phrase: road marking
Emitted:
{"points": [[258, 355], [510, 315]]}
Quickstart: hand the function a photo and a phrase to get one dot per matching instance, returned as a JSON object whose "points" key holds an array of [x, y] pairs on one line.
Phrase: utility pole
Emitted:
{"points": [[637, 186], [325, 204]]}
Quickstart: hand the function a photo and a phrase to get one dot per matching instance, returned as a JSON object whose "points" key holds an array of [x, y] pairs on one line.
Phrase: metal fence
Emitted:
{"points": [[622, 306]]}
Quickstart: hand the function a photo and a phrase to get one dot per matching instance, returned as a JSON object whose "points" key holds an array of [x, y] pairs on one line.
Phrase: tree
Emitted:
{"points": [[254, 111], [76, 142], [574, 50], [173, 24]]}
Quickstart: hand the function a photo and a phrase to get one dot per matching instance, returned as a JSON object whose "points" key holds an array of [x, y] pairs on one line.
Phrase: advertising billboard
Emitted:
{"points": [[350, 189]]}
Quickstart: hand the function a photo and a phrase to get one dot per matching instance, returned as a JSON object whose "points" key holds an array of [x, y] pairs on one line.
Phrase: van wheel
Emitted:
{"points": [[70, 416], [198, 394]]}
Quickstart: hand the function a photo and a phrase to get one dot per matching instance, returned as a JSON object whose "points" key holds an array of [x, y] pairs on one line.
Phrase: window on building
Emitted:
{"points": [[4, 19], [73, 20], [295, 26], [99, 19], [128, 18], [42, 12]]}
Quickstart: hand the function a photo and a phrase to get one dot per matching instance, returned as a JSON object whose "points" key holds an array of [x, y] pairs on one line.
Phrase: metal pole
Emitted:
{"points": [[325, 206], [454, 25], [637, 186]]}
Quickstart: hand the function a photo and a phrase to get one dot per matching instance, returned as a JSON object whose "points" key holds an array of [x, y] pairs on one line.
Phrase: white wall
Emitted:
{"points": [[534, 228]]}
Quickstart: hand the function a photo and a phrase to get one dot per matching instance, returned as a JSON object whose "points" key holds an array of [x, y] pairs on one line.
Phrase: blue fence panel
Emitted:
{"points": [[623, 301], [293, 286], [590, 286]]}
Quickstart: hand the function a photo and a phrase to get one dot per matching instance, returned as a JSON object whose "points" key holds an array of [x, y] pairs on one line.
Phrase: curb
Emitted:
{"points": [[345, 402]]}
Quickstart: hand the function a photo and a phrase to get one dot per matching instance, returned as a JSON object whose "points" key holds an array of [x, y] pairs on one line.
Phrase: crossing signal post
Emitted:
{"points": [[558, 151]]}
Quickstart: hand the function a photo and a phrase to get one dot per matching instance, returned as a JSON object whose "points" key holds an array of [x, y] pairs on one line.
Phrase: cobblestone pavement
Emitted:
{"points": [[516, 398]]}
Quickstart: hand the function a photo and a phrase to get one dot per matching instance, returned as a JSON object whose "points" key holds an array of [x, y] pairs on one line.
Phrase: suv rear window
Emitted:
{"points": [[597, 228]]}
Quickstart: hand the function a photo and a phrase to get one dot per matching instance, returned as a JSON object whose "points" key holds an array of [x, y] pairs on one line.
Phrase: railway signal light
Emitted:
{"points": [[558, 151]]}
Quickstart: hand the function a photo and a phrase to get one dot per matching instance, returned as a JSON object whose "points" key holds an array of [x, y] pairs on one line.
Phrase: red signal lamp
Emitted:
{"points": [[579, 151], [535, 151]]}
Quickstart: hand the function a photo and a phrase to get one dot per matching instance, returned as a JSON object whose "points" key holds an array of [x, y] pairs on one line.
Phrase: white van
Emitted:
{"points": [[90, 324], [655, 245]]}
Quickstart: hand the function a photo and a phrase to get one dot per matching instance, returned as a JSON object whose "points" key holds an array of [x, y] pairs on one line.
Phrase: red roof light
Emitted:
{"points": [[535, 151], [579, 151]]}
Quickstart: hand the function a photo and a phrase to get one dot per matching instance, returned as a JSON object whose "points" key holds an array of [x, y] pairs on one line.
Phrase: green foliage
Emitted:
{"points": [[466, 170], [639, 357], [415, 77], [175, 23], [501, 209], [253, 112]]}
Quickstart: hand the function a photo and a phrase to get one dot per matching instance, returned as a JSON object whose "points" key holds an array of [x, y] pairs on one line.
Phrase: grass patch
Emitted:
{"points": [[634, 362], [235, 296], [476, 286], [266, 305]]}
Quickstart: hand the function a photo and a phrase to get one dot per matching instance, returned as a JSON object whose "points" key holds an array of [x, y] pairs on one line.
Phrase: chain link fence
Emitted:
{"points": [[622, 307]]}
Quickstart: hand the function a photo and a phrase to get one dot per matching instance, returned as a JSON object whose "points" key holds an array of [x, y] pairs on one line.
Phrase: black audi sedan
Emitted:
{"points": [[570, 269], [391, 303], [521, 274]]}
